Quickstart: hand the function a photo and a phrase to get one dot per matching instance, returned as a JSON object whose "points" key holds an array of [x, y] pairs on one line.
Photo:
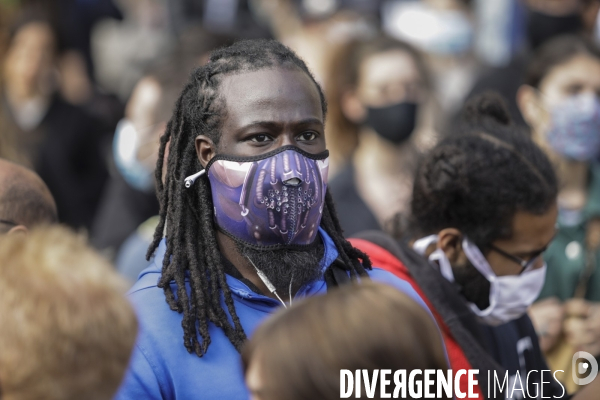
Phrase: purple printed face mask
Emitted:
{"points": [[275, 199]]}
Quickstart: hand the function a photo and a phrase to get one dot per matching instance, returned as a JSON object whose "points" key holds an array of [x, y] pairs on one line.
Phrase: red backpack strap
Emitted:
{"points": [[384, 259]]}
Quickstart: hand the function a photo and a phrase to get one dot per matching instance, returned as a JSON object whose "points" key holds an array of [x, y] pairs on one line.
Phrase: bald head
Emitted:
{"points": [[24, 198]]}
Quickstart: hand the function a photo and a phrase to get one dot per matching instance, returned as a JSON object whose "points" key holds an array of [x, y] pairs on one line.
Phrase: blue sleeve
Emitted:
{"points": [[140, 381], [383, 276]]}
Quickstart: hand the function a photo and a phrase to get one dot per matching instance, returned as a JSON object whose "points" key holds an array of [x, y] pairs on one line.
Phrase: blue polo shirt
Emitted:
{"points": [[161, 367]]}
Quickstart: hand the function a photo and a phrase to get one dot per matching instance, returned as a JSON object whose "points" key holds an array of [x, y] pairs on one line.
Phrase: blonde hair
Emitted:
{"points": [[66, 329]]}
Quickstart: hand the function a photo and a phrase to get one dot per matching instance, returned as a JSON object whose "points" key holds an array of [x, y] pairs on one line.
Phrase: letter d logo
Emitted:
{"points": [[588, 363]]}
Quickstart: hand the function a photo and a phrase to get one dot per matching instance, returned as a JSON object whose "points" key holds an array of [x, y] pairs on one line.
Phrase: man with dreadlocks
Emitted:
{"points": [[247, 221]]}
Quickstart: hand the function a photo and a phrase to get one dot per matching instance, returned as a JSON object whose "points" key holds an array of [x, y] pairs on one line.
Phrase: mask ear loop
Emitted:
{"points": [[267, 282], [421, 245], [189, 181]]}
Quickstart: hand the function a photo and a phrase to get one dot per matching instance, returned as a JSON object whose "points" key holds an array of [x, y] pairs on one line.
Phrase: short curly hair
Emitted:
{"points": [[478, 178]]}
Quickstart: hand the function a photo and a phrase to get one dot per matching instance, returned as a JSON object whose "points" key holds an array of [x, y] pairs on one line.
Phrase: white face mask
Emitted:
{"points": [[126, 143], [433, 30], [510, 296]]}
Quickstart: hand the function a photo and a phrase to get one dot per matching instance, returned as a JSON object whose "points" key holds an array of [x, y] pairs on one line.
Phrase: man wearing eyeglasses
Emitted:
{"points": [[25, 200], [484, 209]]}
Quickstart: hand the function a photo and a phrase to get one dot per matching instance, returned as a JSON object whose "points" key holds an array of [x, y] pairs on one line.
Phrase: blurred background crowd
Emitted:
{"points": [[88, 86]]}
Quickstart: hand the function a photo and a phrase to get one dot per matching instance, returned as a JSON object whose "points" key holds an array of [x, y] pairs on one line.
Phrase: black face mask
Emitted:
{"points": [[541, 27], [395, 122], [473, 285]]}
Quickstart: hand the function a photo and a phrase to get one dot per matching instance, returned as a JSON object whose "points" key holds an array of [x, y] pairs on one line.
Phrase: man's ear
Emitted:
{"points": [[18, 229], [352, 107], [450, 241], [205, 149], [529, 105]]}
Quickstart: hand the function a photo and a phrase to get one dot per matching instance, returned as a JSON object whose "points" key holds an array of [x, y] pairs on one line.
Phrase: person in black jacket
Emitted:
{"points": [[60, 141]]}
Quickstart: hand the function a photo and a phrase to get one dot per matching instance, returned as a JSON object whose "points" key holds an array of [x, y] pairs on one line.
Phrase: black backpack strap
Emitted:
{"points": [[337, 273], [448, 303], [379, 238]]}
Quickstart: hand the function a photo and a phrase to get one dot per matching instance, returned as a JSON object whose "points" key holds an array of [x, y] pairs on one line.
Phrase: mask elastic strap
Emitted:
{"points": [[421, 245], [267, 282], [478, 260], [445, 267], [189, 181]]}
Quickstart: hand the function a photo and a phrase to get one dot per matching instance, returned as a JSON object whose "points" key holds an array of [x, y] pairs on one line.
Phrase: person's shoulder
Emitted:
{"points": [[383, 276], [148, 278], [150, 302], [147, 298], [379, 253], [147, 282], [144, 290]]}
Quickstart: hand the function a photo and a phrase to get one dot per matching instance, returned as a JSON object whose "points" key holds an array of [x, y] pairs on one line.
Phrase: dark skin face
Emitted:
{"points": [[266, 109], [531, 234]]}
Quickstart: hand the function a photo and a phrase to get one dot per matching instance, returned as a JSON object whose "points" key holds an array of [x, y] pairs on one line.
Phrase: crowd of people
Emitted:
{"points": [[403, 184]]}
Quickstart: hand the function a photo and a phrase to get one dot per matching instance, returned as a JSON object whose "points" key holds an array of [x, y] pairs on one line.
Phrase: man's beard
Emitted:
{"points": [[283, 266], [473, 285]]}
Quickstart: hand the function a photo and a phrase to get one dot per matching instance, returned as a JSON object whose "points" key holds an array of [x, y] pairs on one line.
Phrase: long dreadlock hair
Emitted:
{"points": [[192, 251]]}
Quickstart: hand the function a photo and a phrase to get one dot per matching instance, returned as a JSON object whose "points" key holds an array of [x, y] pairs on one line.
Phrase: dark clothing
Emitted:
{"points": [[65, 150], [354, 215], [75, 20], [121, 210], [512, 347]]}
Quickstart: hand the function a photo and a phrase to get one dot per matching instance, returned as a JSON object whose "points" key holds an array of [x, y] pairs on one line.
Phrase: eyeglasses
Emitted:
{"points": [[525, 264]]}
